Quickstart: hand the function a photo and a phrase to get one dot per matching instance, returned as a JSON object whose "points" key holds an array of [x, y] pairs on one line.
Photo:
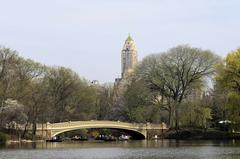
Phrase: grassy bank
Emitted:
{"points": [[3, 137], [201, 134]]}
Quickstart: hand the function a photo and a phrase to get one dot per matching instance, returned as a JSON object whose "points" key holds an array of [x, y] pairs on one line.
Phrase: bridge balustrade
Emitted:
{"points": [[101, 123]]}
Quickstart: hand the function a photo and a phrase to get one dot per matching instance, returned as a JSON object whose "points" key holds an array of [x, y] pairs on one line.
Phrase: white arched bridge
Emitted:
{"points": [[147, 130]]}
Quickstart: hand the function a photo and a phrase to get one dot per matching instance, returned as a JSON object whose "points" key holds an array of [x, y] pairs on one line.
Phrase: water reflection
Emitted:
{"points": [[123, 144], [166, 149]]}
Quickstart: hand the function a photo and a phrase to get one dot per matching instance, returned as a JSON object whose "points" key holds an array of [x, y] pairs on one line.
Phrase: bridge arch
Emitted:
{"points": [[139, 134], [59, 128]]}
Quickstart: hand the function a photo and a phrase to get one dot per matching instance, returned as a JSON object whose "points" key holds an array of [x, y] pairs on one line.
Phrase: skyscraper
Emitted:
{"points": [[128, 61], [128, 57]]}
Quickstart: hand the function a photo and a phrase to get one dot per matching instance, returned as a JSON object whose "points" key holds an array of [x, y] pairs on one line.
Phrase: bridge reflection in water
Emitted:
{"points": [[144, 131]]}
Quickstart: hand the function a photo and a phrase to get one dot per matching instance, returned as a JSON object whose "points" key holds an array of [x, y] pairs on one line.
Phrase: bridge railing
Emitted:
{"points": [[76, 123]]}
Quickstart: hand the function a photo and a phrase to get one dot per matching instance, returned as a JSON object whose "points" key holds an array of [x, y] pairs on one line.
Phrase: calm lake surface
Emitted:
{"points": [[159, 149]]}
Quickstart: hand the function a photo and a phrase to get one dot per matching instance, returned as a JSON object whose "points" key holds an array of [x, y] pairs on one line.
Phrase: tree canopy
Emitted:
{"points": [[175, 73]]}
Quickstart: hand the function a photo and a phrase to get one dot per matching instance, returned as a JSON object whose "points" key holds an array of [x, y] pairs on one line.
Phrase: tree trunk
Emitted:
{"points": [[34, 128], [25, 130], [170, 117], [176, 119]]}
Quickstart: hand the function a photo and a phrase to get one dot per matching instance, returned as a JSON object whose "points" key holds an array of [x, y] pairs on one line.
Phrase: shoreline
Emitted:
{"points": [[182, 134], [23, 141], [200, 134]]}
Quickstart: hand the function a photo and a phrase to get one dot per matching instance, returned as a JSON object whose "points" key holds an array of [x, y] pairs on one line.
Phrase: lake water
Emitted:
{"points": [[159, 149]]}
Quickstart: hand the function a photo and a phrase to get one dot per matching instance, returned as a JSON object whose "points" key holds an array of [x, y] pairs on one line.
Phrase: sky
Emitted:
{"points": [[88, 35]]}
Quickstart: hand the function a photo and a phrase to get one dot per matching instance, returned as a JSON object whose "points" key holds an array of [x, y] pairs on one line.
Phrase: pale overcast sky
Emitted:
{"points": [[87, 35]]}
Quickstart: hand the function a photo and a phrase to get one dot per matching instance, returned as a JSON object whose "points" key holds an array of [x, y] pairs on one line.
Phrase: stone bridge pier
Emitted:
{"points": [[146, 131]]}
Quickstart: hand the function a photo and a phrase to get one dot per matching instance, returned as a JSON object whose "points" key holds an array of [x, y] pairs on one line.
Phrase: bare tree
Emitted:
{"points": [[8, 60], [174, 73]]}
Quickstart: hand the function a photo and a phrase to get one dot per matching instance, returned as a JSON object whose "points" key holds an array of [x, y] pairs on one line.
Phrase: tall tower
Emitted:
{"points": [[128, 57]]}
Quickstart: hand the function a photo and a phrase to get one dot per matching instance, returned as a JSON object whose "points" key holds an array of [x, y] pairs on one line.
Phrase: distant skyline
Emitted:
{"points": [[88, 36]]}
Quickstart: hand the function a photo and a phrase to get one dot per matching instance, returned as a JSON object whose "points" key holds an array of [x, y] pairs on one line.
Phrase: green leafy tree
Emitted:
{"points": [[140, 103], [71, 98], [195, 114], [62, 84], [228, 79], [229, 72]]}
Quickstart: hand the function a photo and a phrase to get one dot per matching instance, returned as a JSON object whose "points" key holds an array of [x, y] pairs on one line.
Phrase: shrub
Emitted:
{"points": [[3, 137]]}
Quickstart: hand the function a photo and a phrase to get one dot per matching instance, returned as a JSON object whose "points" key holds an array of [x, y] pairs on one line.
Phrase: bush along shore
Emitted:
{"points": [[201, 134], [3, 138]]}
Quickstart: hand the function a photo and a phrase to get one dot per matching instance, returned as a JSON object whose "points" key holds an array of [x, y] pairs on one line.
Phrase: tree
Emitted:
{"points": [[71, 98], [105, 101], [62, 84], [139, 102], [8, 60], [233, 107], [12, 112], [84, 105], [229, 72], [228, 79], [175, 73], [18, 82], [26, 72], [219, 103], [195, 113], [47, 94], [37, 103]]}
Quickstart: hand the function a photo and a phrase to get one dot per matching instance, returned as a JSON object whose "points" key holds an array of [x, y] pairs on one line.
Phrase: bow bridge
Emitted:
{"points": [[146, 131]]}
